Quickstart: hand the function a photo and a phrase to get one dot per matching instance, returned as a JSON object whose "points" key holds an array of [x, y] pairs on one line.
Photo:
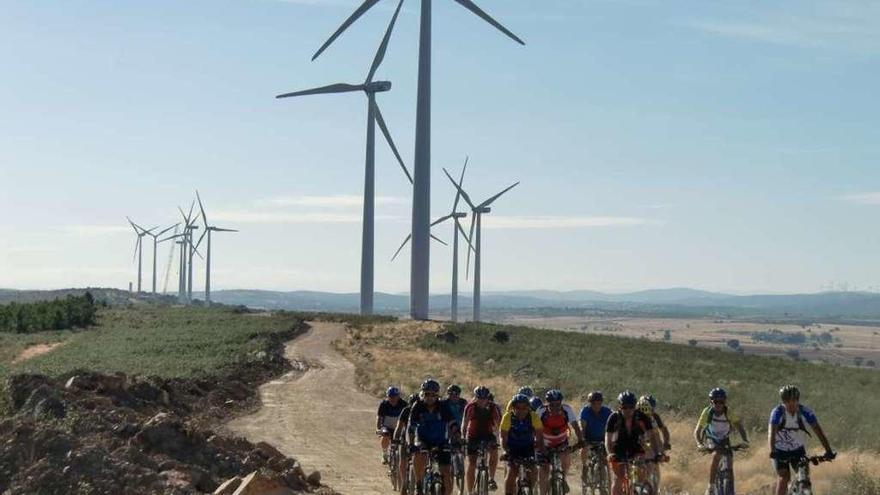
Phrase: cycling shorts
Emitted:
{"points": [[784, 460], [473, 443]]}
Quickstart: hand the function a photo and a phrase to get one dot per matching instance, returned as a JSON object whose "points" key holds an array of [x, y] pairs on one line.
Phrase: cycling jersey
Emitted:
{"points": [[456, 407], [431, 425], [594, 424], [717, 426], [792, 435], [521, 432], [389, 414], [556, 424], [627, 443], [481, 420]]}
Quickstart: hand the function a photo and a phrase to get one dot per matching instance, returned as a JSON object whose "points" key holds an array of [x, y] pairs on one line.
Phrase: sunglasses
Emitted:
{"points": [[626, 408], [431, 394], [719, 402]]}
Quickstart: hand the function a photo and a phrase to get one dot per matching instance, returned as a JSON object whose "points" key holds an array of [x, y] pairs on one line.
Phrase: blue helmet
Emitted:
{"points": [[527, 391], [431, 385], [553, 395], [519, 399], [536, 403], [392, 392], [717, 393], [482, 392]]}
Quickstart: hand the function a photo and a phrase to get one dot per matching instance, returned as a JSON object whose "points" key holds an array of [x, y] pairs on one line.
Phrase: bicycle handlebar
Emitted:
{"points": [[723, 448]]}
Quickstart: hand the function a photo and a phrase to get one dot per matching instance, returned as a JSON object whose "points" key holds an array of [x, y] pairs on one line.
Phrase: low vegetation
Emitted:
{"points": [[59, 314]]}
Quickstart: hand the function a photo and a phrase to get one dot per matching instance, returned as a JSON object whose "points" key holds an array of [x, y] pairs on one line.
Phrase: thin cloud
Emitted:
{"points": [[93, 230], [337, 201], [559, 222], [869, 198], [276, 217]]}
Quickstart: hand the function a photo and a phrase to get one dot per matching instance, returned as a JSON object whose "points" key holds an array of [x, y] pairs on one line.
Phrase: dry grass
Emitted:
{"points": [[389, 354]]}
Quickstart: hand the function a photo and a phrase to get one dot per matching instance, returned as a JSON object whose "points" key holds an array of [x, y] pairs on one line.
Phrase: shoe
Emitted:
{"points": [[492, 485]]}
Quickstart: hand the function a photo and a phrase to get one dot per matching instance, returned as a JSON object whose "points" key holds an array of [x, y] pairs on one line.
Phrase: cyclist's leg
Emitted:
{"points": [[544, 476], [618, 469], [445, 461], [420, 461], [493, 459], [470, 479], [782, 466], [403, 465]]}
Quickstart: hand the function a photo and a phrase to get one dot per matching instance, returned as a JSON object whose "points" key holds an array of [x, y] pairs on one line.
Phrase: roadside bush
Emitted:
{"points": [[59, 314], [858, 482]]}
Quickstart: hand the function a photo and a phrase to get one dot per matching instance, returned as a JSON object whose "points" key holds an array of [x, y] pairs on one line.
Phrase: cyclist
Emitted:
{"points": [[714, 427], [521, 434], [527, 391], [647, 404], [536, 403], [593, 418], [623, 435], [386, 418], [557, 418], [434, 426], [404, 435], [481, 422], [455, 402], [788, 435]]}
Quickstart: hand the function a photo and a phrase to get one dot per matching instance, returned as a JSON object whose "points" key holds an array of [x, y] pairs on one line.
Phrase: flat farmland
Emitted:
{"points": [[849, 345]]}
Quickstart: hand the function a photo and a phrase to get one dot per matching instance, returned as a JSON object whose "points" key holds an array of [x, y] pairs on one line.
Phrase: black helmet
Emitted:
{"points": [[453, 390], [595, 395], [491, 397], [431, 385], [392, 392], [627, 398], [717, 393], [519, 399], [527, 391], [553, 395], [482, 392], [789, 392]]}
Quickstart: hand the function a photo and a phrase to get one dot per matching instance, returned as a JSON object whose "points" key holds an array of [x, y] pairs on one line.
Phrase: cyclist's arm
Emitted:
{"points": [[821, 434], [665, 432], [400, 431], [742, 432], [700, 430], [539, 438], [771, 435], [464, 422], [609, 442], [379, 422]]}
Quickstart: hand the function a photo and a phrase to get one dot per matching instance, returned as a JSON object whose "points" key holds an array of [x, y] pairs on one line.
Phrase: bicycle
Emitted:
{"points": [[482, 478], [724, 484], [432, 483], [525, 484], [633, 483], [801, 484], [557, 483], [458, 468], [595, 479], [394, 465]]}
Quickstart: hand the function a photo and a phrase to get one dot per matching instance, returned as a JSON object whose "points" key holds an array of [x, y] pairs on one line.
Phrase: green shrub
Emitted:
{"points": [[58, 314]]}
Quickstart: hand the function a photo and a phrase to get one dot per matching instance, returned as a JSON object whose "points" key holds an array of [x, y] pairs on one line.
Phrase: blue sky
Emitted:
{"points": [[719, 145]]}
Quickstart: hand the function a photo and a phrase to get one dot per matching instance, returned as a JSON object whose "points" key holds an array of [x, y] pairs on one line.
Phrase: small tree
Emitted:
{"points": [[667, 335], [692, 342], [793, 353], [733, 344], [858, 360]]}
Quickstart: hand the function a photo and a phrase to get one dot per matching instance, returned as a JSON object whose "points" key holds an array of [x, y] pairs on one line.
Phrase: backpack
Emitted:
{"points": [[800, 421]]}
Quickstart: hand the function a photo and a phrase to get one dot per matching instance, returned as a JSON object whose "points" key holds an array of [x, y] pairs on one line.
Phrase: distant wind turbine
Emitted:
{"points": [[155, 249], [208, 230], [139, 248], [374, 116], [421, 211], [477, 212]]}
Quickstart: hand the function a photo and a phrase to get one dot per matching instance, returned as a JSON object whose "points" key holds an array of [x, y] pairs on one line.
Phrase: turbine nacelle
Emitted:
{"points": [[482, 209], [459, 214], [377, 87]]}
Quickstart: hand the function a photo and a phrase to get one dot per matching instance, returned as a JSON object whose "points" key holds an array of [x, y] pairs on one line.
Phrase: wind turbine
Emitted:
{"points": [[155, 248], [421, 212], [477, 212], [208, 230], [139, 247], [374, 115]]}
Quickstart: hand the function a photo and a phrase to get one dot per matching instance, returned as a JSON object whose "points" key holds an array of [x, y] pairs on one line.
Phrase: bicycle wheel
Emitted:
{"points": [[482, 482], [603, 479], [586, 480]]}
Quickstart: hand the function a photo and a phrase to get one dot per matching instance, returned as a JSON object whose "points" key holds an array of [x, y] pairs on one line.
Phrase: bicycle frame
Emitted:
{"points": [[482, 475], [724, 480], [525, 481], [432, 483], [594, 475], [801, 483], [633, 483]]}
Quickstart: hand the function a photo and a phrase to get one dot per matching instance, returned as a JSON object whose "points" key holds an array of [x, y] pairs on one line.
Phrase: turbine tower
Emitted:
{"points": [[139, 247], [456, 217], [374, 116], [477, 212], [421, 212], [208, 230], [155, 248]]}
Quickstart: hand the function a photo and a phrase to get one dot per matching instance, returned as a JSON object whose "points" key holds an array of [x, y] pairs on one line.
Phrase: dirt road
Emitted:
{"points": [[321, 418]]}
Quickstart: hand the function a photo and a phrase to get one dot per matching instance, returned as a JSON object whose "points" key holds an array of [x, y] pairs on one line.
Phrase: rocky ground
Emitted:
{"points": [[94, 433]]}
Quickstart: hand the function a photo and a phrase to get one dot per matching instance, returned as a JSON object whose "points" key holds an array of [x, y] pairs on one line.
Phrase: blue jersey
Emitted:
{"points": [[431, 426], [792, 432], [456, 407], [594, 424]]}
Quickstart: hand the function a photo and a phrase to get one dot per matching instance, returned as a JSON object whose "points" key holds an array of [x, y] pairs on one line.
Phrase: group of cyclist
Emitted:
{"points": [[528, 427]]}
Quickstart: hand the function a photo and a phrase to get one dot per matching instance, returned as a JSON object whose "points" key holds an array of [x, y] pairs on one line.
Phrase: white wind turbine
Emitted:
{"points": [[421, 211], [477, 212], [139, 248], [208, 230], [374, 116], [155, 249]]}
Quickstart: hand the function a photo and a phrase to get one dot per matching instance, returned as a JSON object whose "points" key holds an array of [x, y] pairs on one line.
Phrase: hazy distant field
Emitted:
{"points": [[841, 344]]}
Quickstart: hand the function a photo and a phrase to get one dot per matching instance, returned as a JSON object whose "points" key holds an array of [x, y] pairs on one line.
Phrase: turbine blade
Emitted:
{"points": [[136, 245], [189, 216], [218, 229], [470, 236], [438, 239], [172, 237], [383, 47], [464, 234], [202, 207], [460, 184], [408, 237], [166, 230], [199, 243], [441, 220], [367, 5], [323, 90], [468, 4], [384, 128], [183, 216], [493, 198], [460, 190]]}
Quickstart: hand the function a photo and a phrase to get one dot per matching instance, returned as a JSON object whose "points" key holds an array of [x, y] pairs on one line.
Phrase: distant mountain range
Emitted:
{"points": [[832, 305]]}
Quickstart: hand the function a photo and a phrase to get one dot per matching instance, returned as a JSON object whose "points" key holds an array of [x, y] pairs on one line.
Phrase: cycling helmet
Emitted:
{"points": [[650, 400], [431, 385], [645, 406], [519, 399], [595, 396], [717, 394], [482, 392], [453, 390], [527, 391], [789, 392], [553, 395], [491, 397], [627, 398], [392, 392], [536, 403]]}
